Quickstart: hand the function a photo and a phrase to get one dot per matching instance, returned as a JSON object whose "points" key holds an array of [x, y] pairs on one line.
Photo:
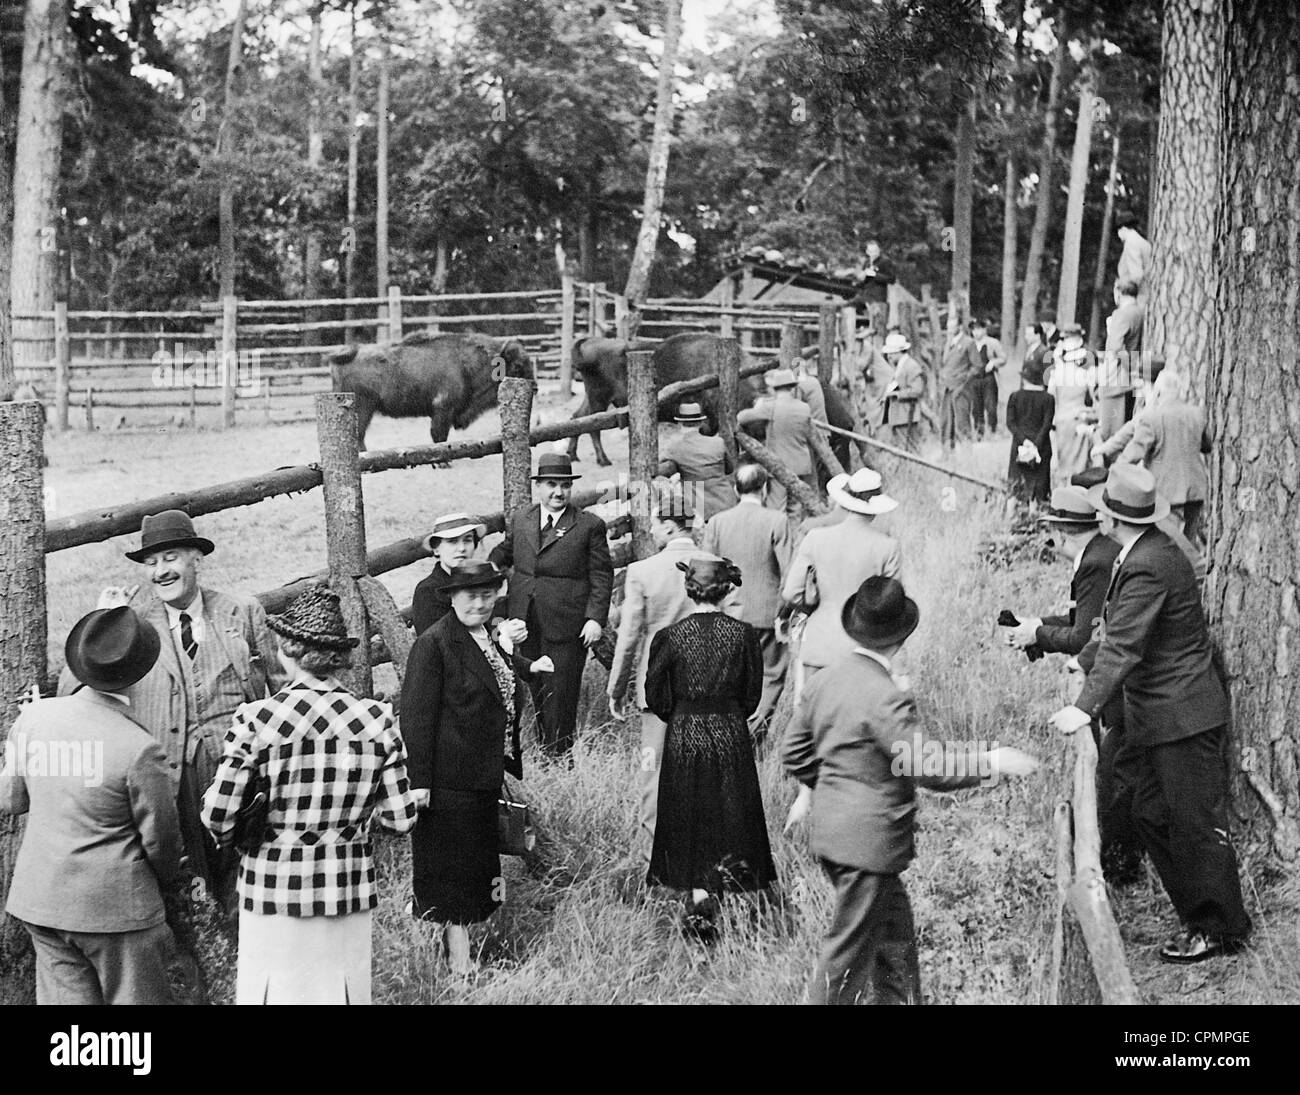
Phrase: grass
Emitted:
{"points": [[574, 929]]}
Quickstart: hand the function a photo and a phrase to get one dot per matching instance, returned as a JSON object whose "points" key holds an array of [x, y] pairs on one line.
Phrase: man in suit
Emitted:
{"points": [[758, 541], [961, 370], [217, 652], [561, 579], [788, 424], [1135, 258], [901, 399], [1154, 647], [984, 388], [877, 274], [654, 596], [1091, 554], [1123, 343], [102, 839], [702, 462], [858, 751]]}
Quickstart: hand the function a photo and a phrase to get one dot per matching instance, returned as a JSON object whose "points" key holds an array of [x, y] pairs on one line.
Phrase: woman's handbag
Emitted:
{"points": [[515, 832], [250, 819]]}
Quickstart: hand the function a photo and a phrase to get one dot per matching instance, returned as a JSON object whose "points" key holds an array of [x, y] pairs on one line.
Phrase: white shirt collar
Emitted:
{"points": [[194, 610], [1123, 552], [120, 697], [544, 513], [680, 540], [875, 658]]}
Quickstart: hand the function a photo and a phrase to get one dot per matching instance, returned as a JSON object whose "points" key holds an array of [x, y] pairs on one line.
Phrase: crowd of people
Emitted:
{"points": [[238, 768]]}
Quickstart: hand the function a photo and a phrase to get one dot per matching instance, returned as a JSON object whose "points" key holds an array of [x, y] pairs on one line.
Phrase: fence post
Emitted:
{"points": [[395, 313], [229, 359], [643, 447], [62, 365], [727, 326], [791, 344], [594, 289], [22, 592], [345, 522], [726, 363], [566, 334], [620, 317], [90, 410], [515, 398], [827, 363]]}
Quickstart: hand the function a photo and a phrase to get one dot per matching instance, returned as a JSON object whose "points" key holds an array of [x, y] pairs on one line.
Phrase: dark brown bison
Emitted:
{"points": [[451, 378], [602, 363]]}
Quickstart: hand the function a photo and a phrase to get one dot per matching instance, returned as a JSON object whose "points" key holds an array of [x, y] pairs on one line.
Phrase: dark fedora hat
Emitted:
{"points": [[1089, 478], [554, 465], [690, 412], [111, 648], [171, 528], [472, 574], [880, 613], [315, 618]]}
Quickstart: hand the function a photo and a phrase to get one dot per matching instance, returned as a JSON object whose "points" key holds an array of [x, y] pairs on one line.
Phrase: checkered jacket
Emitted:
{"points": [[330, 762]]}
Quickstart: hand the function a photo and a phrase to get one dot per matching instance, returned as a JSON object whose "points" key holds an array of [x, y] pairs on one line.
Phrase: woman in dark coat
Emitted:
{"points": [[1029, 418], [460, 714], [705, 678]]}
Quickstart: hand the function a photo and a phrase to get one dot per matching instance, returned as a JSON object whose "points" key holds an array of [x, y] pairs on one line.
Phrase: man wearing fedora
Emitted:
{"points": [[102, 840], [984, 389], [1154, 648], [1078, 539], [216, 653], [857, 748], [561, 579], [959, 372], [703, 463], [901, 400], [654, 597], [787, 421], [758, 541]]}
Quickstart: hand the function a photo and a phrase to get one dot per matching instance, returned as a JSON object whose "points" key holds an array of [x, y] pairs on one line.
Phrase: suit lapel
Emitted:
{"points": [[568, 518], [156, 614]]}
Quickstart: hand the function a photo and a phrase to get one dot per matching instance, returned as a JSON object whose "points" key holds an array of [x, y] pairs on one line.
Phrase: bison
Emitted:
{"points": [[602, 363], [451, 378]]}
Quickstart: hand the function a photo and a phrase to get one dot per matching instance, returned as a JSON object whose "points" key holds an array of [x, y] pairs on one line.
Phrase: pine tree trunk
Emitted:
{"points": [[440, 265], [1180, 312], [1103, 252], [315, 154], [381, 172], [225, 153], [1043, 210], [588, 234], [1067, 297], [1010, 227], [962, 185], [1254, 396], [37, 161], [6, 238], [656, 176], [354, 164]]}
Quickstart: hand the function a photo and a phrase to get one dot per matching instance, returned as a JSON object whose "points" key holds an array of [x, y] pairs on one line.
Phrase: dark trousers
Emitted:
{"points": [[1121, 847], [955, 414], [1180, 808], [217, 867], [869, 953], [1190, 515], [555, 695], [984, 402]]}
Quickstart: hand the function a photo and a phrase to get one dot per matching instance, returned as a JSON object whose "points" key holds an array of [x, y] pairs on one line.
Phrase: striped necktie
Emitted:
{"points": [[188, 644]]}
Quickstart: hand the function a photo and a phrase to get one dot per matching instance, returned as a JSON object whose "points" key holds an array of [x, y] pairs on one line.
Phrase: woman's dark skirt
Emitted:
{"points": [[454, 857]]}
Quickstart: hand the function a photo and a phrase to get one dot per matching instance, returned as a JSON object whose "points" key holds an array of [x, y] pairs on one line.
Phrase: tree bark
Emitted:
{"points": [[1181, 312], [643, 448], [1011, 184], [354, 166], [962, 185], [315, 153], [1103, 251], [656, 176], [225, 152], [381, 171], [1067, 297], [6, 239], [1255, 408], [440, 265], [1043, 209], [515, 399], [37, 162]]}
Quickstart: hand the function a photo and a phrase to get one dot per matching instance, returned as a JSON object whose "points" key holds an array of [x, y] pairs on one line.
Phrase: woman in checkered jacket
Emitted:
{"points": [[330, 763]]}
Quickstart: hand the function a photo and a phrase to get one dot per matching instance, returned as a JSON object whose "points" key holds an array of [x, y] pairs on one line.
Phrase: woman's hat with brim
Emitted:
{"points": [[111, 648], [880, 613], [315, 618], [452, 525], [171, 528], [1129, 495], [861, 492], [690, 413], [554, 465], [707, 569], [1070, 506], [472, 575]]}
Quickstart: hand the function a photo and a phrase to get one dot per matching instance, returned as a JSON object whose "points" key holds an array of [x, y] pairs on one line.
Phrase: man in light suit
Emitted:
{"points": [[856, 747], [1115, 379], [758, 541], [1154, 647], [560, 587], [703, 463], [654, 597], [102, 840], [217, 653], [788, 424]]}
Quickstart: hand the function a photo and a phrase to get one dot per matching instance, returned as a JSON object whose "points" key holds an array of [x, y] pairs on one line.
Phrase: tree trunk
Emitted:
{"points": [[1011, 184], [381, 171], [225, 153], [354, 164], [6, 239], [962, 185], [1103, 251], [588, 234], [1067, 298], [440, 265], [656, 176], [315, 154], [1181, 311], [1254, 396], [37, 161], [1043, 210]]}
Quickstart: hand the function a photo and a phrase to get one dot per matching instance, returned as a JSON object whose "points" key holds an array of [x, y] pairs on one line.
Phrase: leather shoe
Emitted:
{"points": [[1191, 947]]}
